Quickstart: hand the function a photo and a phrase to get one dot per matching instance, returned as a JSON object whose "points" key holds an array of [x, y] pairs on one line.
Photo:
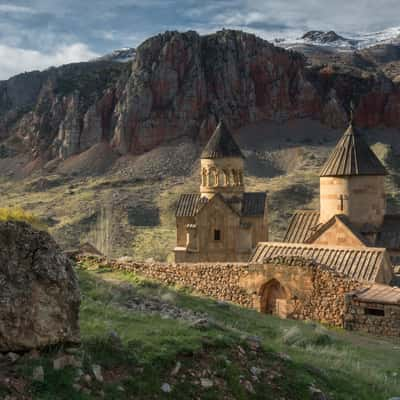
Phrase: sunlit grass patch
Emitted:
{"points": [[19, 214]]}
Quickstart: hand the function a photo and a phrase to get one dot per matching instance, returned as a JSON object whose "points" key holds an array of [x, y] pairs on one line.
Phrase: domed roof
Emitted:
{"points": [[221, 144], [352, 157]]}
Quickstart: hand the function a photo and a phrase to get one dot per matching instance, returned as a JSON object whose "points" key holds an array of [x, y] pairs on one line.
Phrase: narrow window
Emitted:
{"points": [[217, 234], [374, 311], [341, 202]]}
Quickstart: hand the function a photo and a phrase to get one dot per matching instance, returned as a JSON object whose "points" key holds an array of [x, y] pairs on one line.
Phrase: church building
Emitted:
{"points": [[221, 223], [352, 202]]}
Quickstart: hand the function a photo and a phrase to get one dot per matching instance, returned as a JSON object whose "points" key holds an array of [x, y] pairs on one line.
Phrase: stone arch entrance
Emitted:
{"points": [[273, 299]]}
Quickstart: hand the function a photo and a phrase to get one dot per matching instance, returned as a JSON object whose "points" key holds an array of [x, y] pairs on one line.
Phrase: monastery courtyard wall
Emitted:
{"points": [[308, 292]]}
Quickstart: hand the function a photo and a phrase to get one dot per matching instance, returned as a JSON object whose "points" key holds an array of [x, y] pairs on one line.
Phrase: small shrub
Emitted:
{"points": [[293, 337], [18, 214]]}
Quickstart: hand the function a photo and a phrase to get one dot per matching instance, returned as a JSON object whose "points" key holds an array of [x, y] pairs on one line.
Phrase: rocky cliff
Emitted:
{"points": [[180, 84]]}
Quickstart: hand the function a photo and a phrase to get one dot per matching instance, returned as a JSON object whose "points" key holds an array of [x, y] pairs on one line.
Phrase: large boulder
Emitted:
{"points": [[39, 291]]}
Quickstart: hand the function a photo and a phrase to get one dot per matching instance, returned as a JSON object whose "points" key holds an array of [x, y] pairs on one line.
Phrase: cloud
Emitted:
{"points": [[42, 30], [17, 60], [14, 9]]}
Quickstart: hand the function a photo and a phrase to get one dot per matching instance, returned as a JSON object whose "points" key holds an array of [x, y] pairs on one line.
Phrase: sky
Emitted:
{"points": [[37, 34]]}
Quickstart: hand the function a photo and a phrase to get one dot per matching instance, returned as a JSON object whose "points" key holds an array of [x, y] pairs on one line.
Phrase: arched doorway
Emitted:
{"points": [[273, 299]]}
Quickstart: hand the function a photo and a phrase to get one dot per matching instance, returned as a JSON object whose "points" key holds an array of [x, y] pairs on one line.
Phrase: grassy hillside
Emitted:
{"points": [[125, 205], [155, 342]]}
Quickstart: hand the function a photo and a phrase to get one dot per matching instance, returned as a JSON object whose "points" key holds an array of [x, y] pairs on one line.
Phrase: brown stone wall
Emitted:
{"points": [[259, 228], [215, 215], [326, 303], [181, 231], [313, 293], [359, 317], [220, 281]]}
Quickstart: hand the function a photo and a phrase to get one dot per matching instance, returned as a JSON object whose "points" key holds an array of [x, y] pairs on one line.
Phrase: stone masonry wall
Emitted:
{"points": [[359, 318], [315, 293], [326, 303], [220, 281]]}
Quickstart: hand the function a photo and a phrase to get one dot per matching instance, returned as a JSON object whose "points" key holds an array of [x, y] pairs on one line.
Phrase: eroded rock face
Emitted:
{"points": [[181, 84], [39, 292]]}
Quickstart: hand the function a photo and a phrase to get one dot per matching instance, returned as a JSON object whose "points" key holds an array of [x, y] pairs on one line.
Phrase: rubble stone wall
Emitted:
{"points": [[374, 318], [220, 281], [326, 303], [314, 293]]}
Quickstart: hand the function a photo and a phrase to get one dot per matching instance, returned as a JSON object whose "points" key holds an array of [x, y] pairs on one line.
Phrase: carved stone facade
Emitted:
{"points": [[222, 223]]}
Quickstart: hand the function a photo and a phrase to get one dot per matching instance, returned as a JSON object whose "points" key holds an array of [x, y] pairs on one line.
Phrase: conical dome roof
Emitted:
{"points": [[221, 144], [352, 157]]}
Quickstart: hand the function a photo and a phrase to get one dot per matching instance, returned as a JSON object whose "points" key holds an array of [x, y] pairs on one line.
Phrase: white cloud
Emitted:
{"points": [[17, 60], [11, 8]]}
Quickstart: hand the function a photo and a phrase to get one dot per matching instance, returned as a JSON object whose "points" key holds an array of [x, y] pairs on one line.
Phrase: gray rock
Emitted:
{"points": [[38, 374], [166, 388], [13, 357], [317, 394], [176, 369], [206, 383], [66, 361], [77, 387], [96, 369], [249, 387], [202, 323], [39, 296]]}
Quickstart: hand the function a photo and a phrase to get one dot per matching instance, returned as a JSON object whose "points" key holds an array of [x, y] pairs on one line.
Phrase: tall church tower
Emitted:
{"points": [[222, 165], [222, 223], [352, 182]]}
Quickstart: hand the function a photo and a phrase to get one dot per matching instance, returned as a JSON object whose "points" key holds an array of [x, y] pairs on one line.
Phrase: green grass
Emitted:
{"points": [[18, 214], [344, 365]]}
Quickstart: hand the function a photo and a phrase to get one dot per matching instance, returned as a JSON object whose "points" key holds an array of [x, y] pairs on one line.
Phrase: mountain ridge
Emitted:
{"points": [[180, 85]]}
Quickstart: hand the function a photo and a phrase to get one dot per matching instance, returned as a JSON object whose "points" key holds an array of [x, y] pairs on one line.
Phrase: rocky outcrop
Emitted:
{"points": [[181, 84], [39, 293]]}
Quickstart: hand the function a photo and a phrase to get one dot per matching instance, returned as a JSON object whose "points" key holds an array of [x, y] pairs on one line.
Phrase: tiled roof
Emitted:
{"points": [[362, 264], [254, 204], [221, 144], [352, 156], [302, 225], [189, 205], [389, 233], [345, 221], [379, 294]]}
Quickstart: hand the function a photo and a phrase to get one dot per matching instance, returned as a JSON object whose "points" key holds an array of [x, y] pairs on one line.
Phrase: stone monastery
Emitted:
{"points": [[342, 254], [222, 222]]}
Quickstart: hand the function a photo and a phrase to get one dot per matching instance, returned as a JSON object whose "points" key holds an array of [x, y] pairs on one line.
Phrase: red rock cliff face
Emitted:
{"points": [[180, 85]]}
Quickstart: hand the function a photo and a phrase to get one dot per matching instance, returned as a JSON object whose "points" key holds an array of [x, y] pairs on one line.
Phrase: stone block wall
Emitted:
{"points": [[326, 302], [315, 293], [219, 281], [374, 318]]}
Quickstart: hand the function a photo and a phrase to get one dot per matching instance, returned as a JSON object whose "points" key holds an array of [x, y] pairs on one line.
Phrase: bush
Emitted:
{"points": [[18, 214], [293, 337], [318, 337]]}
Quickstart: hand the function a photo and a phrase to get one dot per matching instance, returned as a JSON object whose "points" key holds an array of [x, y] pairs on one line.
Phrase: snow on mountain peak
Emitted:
{"points": [[344, 42]]}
